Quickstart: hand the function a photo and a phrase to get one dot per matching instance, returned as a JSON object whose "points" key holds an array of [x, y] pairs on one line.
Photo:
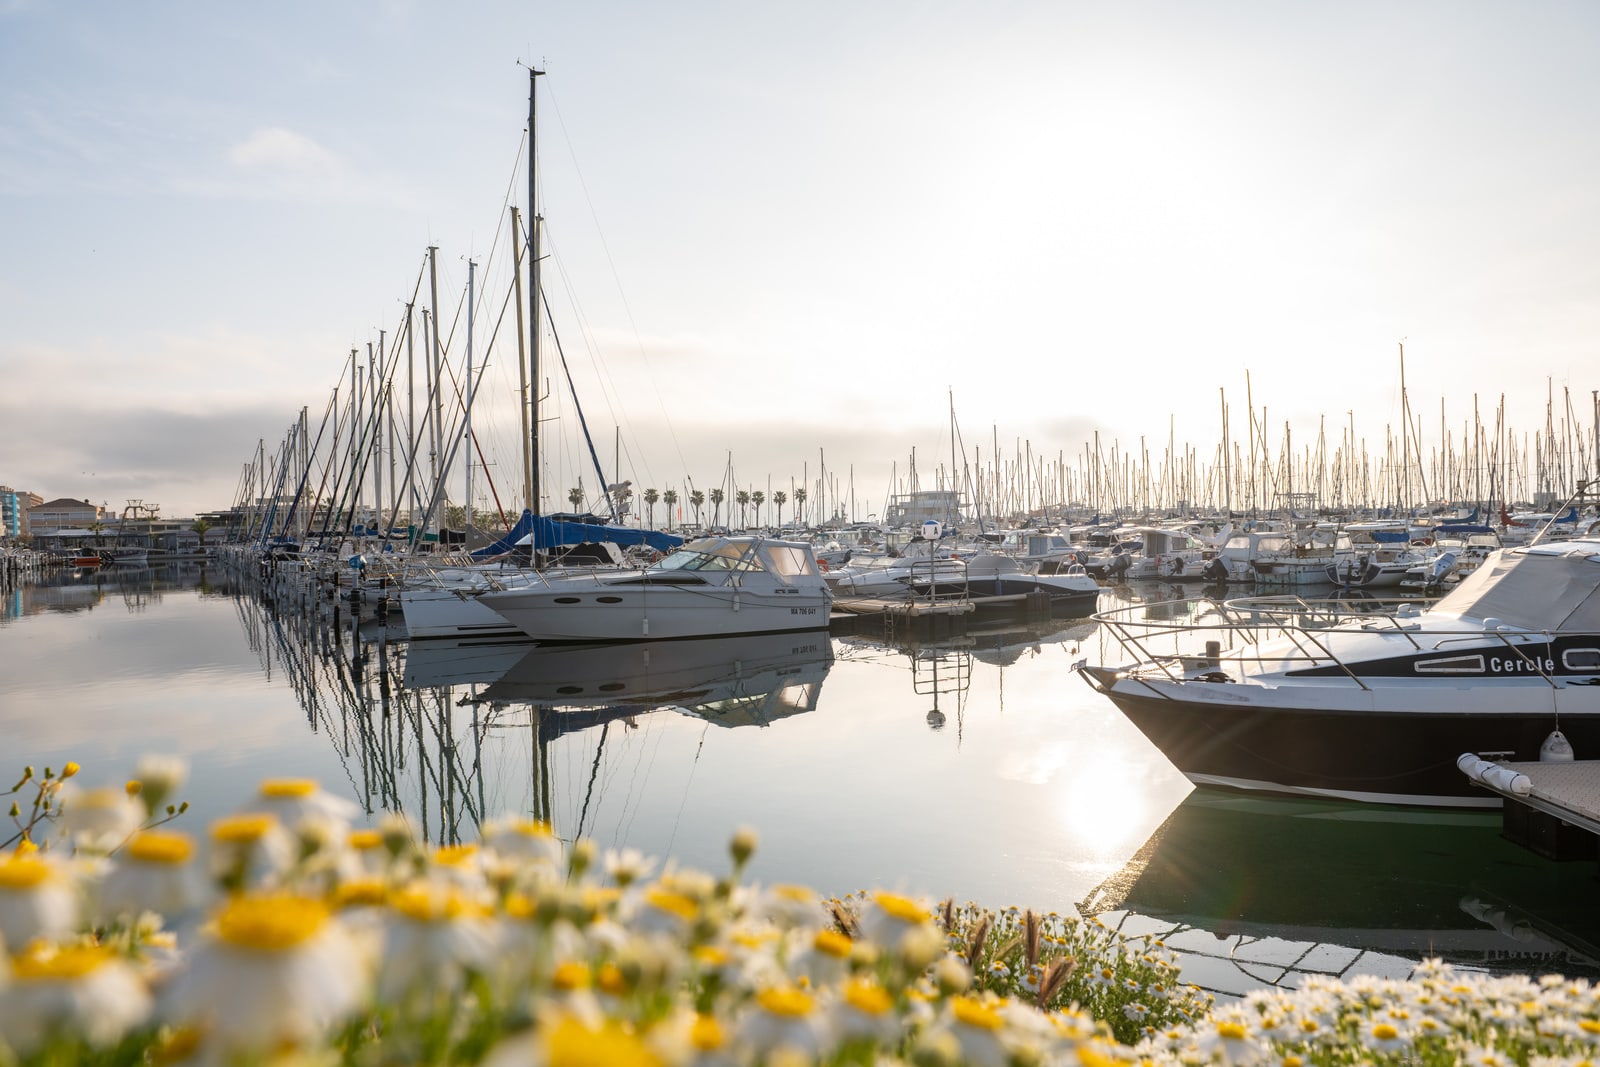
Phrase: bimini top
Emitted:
{"points": [[1553, 586]]}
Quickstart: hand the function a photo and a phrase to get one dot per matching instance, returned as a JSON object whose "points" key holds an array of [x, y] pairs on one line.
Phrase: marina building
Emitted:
{"points": [[65, 512]]}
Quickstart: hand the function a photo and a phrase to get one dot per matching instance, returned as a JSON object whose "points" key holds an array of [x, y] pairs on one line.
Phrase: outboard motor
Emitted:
{"points": [[1119, 564], [1216, 569]]}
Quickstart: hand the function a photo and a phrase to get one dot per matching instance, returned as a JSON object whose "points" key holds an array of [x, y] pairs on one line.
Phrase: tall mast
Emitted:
{"points": [[522, 365], [436, 438], [533, 289], [466, 417]]}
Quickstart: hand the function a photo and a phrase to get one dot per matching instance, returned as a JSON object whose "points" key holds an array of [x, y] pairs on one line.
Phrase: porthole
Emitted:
{"points": [[1582, 660]]}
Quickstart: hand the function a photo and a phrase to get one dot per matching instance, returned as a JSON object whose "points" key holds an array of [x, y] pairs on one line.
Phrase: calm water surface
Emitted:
{"points": [[983, 769]]}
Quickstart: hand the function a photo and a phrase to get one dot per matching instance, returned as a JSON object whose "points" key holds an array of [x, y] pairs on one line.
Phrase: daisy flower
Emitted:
{"points": [[82, 990], [865, 1010], [249, 850], [37, 899], [976, 1027], [783, 1017], [97, 820], [290, 800], [154, 873], [434, 935], [271, 969], [524, 839], [889, 918]]}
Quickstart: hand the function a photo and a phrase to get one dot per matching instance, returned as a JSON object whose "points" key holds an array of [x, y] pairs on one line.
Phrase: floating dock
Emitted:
{"points": [[939, 617], [1551, 808]]}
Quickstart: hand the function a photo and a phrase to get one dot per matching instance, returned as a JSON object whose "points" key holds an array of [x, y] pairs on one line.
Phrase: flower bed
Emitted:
{"points": [[289, 935]]}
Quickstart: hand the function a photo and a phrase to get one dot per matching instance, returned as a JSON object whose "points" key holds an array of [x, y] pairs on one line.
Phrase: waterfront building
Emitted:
{"points": [[14, 505], [65, 513]]}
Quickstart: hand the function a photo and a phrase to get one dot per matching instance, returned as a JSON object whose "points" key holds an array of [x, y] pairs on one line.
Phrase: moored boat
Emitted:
{"points": [[710, 587], [1278, 695]]}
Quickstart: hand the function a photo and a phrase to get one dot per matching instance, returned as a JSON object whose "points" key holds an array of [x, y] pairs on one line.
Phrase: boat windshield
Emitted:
{"points": [[708, 555]]}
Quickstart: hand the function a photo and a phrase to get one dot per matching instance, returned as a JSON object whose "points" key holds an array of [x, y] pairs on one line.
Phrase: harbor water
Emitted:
{"points": [[978, 767]]}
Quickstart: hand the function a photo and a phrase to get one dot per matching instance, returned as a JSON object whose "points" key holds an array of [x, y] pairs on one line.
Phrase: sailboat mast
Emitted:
{"points": [[522, 364], [466, 418], [533, 290]]}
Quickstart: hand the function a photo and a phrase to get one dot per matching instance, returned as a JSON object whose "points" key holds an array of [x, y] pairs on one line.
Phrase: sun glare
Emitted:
{"points": [[1102, 807]]}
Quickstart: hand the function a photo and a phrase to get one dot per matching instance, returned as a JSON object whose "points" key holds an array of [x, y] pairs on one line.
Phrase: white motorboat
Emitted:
{"points": [[713, 586], [891, 576], [1072, 591], [1283, 696], [1152, 552]]}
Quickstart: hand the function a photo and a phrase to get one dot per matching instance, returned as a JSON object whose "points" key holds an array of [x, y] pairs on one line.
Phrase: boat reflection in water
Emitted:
{"points": [[1241, 887], [453, 732], [461, 661], [729, 681]]}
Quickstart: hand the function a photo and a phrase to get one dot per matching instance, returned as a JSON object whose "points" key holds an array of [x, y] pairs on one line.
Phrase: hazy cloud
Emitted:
{"points": [[277, 149]]}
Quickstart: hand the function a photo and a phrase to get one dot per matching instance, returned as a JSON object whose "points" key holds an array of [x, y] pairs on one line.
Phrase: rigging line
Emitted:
{"points": [[582, 422], [694, 765], [594, 772], [617, 278], [628, 801], [608, 387]]}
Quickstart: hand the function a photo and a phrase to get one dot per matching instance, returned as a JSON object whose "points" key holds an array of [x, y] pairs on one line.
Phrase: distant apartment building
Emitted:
{"points": [[14, 505], [65, 513]]}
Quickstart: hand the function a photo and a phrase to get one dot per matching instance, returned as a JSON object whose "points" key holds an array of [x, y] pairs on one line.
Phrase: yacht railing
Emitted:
{"points": [[1248, 622], [1244, 624]]}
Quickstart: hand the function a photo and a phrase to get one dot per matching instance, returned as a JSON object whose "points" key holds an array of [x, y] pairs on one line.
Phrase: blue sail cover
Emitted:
{"points": [[548, 533]]}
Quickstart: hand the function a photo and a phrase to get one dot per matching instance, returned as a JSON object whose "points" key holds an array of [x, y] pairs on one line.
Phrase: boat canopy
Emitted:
{"points": [[1543, 587], [545, 532], [786, 560]]}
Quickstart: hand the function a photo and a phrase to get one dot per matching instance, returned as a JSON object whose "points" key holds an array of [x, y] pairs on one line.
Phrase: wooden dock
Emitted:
{"points": [[1551, 808]]}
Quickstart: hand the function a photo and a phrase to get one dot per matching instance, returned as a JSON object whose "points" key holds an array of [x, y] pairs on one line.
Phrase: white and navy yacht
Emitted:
{"points": [[1281, 696]]}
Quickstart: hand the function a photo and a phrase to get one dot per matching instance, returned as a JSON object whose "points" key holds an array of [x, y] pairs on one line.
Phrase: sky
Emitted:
{"points": [[784, 237]]}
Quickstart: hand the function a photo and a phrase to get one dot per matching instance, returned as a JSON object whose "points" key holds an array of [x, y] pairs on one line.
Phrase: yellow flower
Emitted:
{"points": [[161, 846], [971, 1012]]}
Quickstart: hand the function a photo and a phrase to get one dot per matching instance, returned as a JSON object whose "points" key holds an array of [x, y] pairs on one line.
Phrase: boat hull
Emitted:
{"points": [[451, 613], [649, 613], [1239, 737]]}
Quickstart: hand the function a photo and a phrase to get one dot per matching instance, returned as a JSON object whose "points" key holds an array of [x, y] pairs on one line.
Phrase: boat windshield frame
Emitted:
{"points": [[710, 554]]}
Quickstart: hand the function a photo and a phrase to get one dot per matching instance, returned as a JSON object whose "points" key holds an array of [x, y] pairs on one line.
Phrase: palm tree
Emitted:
{"points": [[716, 506], [650, 498], [575, 496], [671, 498], [800, 501], [742, 497], [780, 498], [758, 498], [697, 500]]}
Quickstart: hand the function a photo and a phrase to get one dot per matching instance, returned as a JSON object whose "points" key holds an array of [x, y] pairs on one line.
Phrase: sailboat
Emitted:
{"points": [[446, 603]]}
